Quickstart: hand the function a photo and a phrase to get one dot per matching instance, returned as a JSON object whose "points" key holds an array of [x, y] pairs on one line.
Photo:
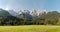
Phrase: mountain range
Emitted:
{"points": [[23, 13], [29, 17]]}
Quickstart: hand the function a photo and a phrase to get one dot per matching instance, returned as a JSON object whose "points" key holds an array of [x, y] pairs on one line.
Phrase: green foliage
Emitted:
{"points": [[52, 18]]}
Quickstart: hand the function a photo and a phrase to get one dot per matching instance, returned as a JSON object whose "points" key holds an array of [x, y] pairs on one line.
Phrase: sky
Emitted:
{"points": [[30, 4]]}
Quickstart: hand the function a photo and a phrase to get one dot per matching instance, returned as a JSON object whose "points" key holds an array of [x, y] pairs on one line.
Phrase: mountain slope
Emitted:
{"points": [[4, 12], [24, 14], [13, 13]]}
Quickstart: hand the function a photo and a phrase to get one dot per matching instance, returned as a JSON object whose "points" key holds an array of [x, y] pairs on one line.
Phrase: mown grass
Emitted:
{"points": [[30, 28]]}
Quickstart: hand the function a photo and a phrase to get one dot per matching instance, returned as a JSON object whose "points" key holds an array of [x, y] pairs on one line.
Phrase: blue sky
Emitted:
{"points": [[30, 4]]}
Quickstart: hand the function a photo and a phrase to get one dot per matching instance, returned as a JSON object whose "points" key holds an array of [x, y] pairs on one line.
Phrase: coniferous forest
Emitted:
{"points": [[51, 18]]}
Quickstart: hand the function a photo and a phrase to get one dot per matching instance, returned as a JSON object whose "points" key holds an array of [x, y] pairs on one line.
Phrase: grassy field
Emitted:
{"points": [[30, 28]]}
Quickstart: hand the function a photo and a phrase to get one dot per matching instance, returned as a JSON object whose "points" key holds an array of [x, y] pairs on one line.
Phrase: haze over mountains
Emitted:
{"points": [[32, 13]]}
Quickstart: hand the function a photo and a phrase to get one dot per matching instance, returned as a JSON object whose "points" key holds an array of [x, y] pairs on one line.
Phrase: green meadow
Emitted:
{"points": [[30, 28]]}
